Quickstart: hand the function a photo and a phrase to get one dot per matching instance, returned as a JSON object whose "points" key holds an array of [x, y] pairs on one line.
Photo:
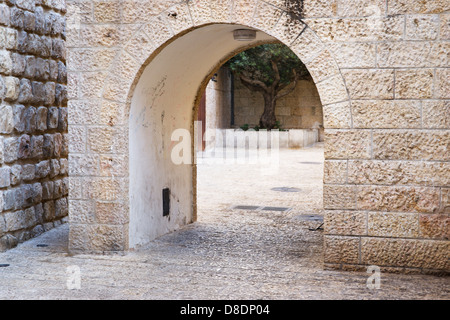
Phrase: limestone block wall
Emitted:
{"points": [[381, 68], [301, 109], [33, 119]]}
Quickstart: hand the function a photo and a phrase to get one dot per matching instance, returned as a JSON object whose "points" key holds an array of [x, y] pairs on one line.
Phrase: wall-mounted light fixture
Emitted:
{"points": [[244, 34]]}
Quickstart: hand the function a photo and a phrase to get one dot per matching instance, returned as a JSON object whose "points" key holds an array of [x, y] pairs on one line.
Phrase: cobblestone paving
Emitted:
{"points": [[227, 254]]}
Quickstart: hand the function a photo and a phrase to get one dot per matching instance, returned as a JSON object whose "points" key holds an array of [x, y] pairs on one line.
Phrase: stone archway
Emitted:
{"points": [[119, 55]]}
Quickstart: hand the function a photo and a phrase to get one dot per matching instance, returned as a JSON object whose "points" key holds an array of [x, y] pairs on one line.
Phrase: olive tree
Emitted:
{"points": [[272, 70]]}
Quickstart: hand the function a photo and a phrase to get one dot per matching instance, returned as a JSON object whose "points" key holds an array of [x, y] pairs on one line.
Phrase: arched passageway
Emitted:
{"points": [[385, 145]]}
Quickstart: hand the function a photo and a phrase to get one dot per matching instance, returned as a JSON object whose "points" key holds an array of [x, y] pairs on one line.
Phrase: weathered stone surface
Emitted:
{"points": [[349, 223], [12, 86], [349, 8], [49, 210], [107, 140], [41, 119], [411, 7], [140, 47], [323, 66], [58, 144], [18, 64], [47, 190], [412, 54], [19, 118], [243, 10], [445, 201], [28, 172], [411, 145], [375, 172], [77, 138], [4, 14], [386, 114], [86, 210], [179, 17], [288, 28], [414, 84], [335, 172], [405, 253], [106, 189], [442, 84], [62, 119], [141, 10], [393, 225], [5, 178], [398, 199], [114, 166], [341, 249], [266, 16], [347, 144], [26, 93], [360, 29], [5, 62], [354, 55], [43, 169], [111, 213], [107, 11], [91, 84], [37, 143], [16, 171], [434, 226], [201, 11], [61, 207], [339, 197], [436, 114], [337, 116], [422, 27], [10, 149], [24, 147], [54, 168], [6, 119], [444, 27], [94, 59], [157, 30], [83, 165], [308, 39], [30, 119], [64, 166], [370, 83], [52, 117], [332, 90]]}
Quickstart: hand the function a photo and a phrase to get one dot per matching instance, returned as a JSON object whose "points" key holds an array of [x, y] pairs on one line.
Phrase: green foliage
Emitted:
{"points": [[245, 127], [256, 63]]}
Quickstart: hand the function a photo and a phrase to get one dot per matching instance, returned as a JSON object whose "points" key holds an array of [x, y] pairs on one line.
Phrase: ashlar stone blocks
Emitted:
{"points": [[380, 68]]}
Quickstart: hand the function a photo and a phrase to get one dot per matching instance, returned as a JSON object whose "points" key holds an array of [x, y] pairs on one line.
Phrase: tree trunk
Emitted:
{"points": [[268, 119]]}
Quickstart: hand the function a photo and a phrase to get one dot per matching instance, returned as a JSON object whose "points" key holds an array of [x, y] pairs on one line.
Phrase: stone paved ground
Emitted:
{"points": [[227, 254]]}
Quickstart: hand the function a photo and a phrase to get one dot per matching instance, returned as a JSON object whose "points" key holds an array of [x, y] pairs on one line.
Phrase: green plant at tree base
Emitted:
{"points": [[277, 126]]}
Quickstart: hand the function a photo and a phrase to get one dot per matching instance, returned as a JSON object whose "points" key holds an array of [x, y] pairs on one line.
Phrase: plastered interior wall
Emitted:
{"points": [[162, 103], [218, 100]]}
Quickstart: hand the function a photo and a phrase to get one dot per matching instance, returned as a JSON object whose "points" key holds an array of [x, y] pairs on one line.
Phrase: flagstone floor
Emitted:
{"points": [[227, 254]]}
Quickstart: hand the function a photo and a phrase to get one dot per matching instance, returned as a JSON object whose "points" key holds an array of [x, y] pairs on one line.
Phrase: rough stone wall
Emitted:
{"points": [[381, 68], [33, 119], [301, 109]]}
